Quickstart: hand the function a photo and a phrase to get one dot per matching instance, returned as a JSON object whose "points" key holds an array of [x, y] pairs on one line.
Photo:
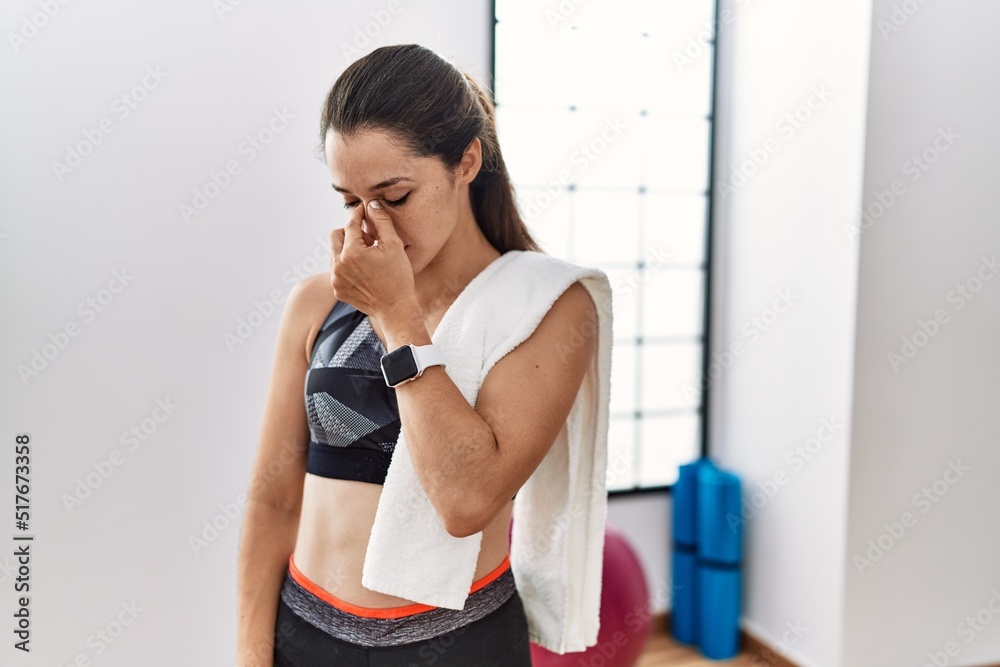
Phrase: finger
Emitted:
{"points": [[367, 232], [379, 217], [336, 243], [352, 230], [360, 213]]}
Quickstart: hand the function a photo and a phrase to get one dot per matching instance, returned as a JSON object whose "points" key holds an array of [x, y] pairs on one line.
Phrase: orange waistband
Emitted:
{"points": [[387, 612]]}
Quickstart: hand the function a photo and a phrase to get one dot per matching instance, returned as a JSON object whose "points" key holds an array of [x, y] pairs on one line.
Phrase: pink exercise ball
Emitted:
{"points": [[625, 617]]}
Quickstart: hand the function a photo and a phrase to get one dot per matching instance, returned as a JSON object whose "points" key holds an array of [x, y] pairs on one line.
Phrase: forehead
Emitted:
{"points": [[368, 157]]}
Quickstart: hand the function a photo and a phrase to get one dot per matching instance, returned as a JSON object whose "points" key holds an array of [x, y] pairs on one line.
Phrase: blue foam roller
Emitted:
{"points": [[683, 612], [684, 499], [718, 501], [718, 578], [718, 610]]}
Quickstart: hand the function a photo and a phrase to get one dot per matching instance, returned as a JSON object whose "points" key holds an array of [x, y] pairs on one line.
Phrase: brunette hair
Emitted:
{"points": [[435, 110]]}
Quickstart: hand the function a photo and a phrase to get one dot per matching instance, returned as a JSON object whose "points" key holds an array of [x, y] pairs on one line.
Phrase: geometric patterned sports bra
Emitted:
{"points": [[353, 415]]}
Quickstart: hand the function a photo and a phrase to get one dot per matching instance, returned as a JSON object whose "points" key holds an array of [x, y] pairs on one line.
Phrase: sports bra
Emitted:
{"points": [[353, 415]]}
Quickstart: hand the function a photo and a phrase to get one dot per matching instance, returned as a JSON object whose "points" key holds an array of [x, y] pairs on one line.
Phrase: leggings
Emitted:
{"points": [[315, 629]]}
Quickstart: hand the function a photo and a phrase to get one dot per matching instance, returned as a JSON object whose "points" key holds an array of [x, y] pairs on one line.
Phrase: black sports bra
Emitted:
{"points": [[353, 416]]}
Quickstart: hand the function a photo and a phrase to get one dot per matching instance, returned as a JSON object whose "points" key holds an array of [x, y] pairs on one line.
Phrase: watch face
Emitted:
{"points": [[399, 365]]}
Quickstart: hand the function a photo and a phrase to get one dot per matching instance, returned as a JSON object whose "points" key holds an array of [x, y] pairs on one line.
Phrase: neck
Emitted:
{"points": [[463, 256]]}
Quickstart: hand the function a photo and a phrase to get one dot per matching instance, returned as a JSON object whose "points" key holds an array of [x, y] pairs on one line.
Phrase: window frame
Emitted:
{"points": [[702, 410]]}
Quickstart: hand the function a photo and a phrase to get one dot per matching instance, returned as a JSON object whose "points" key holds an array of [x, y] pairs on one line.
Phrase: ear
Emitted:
{"points": [[472, 161]]}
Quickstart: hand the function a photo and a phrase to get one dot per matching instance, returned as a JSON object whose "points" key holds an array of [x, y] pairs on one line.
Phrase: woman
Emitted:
{"points": [[411, 144]]}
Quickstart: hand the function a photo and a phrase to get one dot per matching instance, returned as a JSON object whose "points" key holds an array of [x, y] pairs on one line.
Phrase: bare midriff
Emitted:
{"points": [[334, 527]]}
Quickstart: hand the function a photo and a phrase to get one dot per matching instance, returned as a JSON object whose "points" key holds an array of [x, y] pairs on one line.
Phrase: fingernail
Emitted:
{"points": [[375, 204]]}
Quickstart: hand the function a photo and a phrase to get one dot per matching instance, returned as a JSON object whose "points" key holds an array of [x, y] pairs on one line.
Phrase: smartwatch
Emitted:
{"points": [[408, 362]]}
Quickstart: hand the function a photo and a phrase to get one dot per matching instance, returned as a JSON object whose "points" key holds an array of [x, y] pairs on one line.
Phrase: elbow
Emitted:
{"points": [[460, 529], [466, 517], [463, 522]]}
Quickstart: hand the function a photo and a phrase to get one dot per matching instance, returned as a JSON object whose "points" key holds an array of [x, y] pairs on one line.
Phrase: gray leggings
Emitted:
{"points": [[491, 630]]}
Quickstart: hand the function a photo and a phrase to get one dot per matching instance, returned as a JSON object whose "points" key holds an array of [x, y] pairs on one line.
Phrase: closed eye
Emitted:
{"points": [[395, 202]]}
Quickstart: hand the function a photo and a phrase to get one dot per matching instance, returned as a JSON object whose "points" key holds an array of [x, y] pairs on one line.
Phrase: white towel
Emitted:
{"points": [[557, 544]]}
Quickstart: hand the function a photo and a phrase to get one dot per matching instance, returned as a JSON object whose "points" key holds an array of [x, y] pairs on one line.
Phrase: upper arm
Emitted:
{"points": [[279, 467], [527, 396]]}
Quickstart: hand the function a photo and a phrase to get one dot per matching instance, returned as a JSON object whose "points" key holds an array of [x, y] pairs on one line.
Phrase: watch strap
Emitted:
{"points": [[427, 355]]}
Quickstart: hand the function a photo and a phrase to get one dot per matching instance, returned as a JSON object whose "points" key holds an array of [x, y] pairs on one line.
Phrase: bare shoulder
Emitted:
{"points": [[567, 333], [574, 312], [576, 304], [309, 302]]}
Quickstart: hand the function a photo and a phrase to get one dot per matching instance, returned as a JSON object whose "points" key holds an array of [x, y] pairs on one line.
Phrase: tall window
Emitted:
{"points": [[605, 111]]}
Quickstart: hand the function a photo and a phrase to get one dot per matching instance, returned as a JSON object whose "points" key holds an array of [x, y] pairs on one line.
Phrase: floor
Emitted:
{"points": [[663, 651]]}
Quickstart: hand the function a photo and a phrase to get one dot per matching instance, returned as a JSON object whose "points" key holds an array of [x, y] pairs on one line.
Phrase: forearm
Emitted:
{"points": [[267, 538], [449, 442]]}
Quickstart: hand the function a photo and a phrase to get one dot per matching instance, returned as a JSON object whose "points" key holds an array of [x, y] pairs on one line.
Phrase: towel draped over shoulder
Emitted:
{"points": [[557, 544]]}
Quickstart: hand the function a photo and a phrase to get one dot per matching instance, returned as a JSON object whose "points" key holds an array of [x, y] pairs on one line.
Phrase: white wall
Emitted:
{"points": [[789, 226], [162, 336], [779, 230], [915, 416]]}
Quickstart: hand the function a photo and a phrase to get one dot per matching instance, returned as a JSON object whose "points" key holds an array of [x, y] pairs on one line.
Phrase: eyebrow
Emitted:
{"points": [[384, 184]]}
